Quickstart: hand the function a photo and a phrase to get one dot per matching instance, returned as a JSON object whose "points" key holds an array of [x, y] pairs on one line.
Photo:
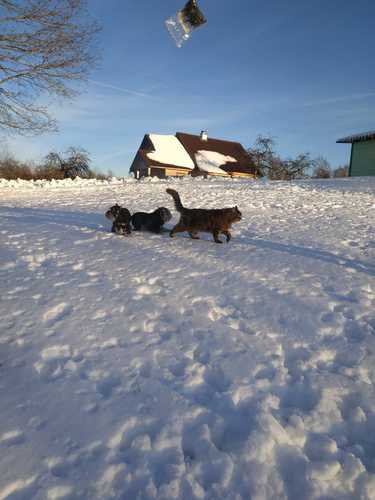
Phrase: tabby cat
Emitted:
{"points": [[213, 221]]}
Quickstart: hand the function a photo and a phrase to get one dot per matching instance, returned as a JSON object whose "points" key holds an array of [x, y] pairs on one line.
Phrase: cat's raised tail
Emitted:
{"points": [[176, 198]]}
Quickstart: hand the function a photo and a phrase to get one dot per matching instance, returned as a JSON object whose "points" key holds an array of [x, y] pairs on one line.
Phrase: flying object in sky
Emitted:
{"points": [[184, 22]]}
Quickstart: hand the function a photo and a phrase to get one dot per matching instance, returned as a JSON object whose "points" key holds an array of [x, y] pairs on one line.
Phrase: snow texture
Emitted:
{"points": [[211, 161], [148, 367], [169, 150]]}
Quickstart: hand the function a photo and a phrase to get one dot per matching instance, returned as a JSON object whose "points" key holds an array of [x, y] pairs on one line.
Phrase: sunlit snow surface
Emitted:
{"points": [[147, 367]]}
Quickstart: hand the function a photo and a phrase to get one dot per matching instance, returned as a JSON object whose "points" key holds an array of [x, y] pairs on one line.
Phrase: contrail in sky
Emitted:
{"points": [[334, 100], [120, 89]]}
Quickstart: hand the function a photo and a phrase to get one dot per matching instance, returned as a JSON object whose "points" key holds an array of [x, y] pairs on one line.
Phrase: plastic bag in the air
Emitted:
{"points": [[184, 22]]}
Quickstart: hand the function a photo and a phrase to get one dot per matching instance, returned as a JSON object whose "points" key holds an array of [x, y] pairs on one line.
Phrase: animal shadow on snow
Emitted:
{"points": [[295, 250], [82, 220], [34, 216], [314, 253]]}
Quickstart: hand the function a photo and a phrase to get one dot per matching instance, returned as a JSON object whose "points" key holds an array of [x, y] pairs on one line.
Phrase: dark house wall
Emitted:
{"points": [[158, 172], [139, 164], [138, 167]]}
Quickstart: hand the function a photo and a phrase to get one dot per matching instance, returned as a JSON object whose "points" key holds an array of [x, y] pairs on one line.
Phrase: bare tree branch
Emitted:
{"points": [[45, 46]]}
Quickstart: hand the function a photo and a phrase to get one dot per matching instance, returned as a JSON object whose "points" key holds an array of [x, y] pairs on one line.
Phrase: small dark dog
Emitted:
{"points": [[121, 219], [151, 222]]}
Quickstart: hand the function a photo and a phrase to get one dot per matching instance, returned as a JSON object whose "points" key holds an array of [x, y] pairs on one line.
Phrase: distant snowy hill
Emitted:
{"points": [[146, 367]]}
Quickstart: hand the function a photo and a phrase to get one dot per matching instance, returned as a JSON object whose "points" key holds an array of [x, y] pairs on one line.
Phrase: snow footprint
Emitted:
{"points": [[148, 286], [62, 467], [131, 433], [21, 489], [105, 381], [10, 438], [56, 313], [7, 265], [56, 361], [61, 492]]}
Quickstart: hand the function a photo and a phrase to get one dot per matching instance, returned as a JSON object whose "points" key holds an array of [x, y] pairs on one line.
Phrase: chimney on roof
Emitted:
{"points": [[204, 135]]}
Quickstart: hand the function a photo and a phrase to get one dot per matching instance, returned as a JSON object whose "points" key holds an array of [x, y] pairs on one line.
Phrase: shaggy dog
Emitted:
{"points": [[213, 221], [151, 222], [121, 219]]}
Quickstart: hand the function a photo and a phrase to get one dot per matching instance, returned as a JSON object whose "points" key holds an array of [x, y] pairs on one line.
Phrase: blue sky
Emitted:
{"points": [[300, 71]]}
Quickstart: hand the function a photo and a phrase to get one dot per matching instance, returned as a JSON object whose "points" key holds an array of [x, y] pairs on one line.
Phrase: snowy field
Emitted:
{"points": [[155, 368]]}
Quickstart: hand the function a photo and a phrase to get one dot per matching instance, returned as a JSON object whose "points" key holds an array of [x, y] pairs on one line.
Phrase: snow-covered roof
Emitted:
{"points": [[240, 160], [169, 150], [364, 136], [211, 161]]}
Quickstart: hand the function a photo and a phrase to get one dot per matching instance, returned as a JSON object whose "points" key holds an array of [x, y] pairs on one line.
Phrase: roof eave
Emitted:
{"points": [[350, 139]]}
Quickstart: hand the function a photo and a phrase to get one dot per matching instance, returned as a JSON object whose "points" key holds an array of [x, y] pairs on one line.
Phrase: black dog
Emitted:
{"points": [[151, 222], [121, 219]]}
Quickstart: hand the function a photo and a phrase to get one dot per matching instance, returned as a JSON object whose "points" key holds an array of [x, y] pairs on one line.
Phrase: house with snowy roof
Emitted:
{"points": [[362, 157], [196, 155]]}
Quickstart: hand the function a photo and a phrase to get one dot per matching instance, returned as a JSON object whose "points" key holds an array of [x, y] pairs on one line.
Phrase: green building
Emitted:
{"points": [[362, 158]]}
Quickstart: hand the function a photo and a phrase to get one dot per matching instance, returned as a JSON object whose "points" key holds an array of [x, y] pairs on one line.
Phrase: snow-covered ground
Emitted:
{"points": [[149, 367]]}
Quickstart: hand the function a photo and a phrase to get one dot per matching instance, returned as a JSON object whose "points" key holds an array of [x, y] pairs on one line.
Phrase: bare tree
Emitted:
{"points": [[45, 46], [262, 154], [322, 169], [297, 168], [275, 168], [341, 171], [48, 172], [75, 162], [10, 168]]}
